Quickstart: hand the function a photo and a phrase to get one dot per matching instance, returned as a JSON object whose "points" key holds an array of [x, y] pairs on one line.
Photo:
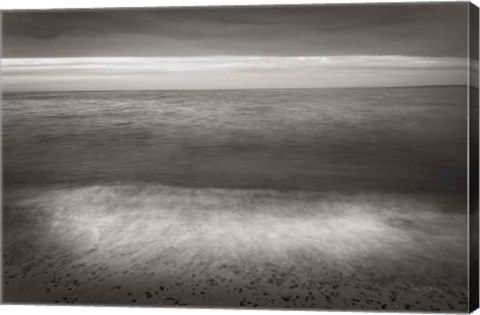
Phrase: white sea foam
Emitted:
{"points": [[200, 229]]}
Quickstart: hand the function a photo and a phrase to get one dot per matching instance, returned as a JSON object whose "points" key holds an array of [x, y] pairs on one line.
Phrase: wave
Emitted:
{"points": [[208, 226]]}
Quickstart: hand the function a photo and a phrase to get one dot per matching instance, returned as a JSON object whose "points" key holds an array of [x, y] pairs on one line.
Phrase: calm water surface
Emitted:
{"points": [[341, 140]]}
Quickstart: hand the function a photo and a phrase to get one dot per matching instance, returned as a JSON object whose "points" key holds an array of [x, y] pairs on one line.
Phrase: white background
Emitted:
{"points": [[45, 4]]}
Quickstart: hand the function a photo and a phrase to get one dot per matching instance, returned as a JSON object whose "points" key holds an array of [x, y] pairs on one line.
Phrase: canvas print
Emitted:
{"points": [[305, 156]]}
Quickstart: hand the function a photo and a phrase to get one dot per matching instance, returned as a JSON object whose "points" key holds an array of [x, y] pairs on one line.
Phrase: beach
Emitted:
{"points": [[174, 246], [323, 199]]}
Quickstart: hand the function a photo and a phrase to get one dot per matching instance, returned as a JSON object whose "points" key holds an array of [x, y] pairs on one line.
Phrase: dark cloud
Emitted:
{"points": [[436, 29]]}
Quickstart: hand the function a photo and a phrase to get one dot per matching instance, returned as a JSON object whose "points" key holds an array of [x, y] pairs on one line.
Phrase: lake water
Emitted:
{"points": [[341, 140]]}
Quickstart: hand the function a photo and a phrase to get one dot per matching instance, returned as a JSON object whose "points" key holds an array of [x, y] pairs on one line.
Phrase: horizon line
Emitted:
{"points": [[235, 89]]}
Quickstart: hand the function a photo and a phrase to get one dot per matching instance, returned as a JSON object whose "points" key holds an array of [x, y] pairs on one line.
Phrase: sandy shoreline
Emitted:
{"points": [[269, 289], [160, 246]]}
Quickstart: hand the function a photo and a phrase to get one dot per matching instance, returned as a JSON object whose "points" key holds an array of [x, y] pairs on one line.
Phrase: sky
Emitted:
{"points": [[242, 47]]}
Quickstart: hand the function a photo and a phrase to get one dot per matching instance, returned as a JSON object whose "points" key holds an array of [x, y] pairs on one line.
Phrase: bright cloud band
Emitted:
{"points": [[229, 72]]}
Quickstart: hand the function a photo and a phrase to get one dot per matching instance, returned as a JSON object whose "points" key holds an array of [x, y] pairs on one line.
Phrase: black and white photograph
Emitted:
{"points": [[273, 156]]}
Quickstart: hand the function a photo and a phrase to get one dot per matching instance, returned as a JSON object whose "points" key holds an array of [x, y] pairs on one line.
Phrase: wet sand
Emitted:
{"points": [[164, 246], [273, 288]]}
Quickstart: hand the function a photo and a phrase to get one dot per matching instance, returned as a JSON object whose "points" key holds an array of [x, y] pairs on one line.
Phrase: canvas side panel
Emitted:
{"points": [[1, 162], [474, 161]]}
